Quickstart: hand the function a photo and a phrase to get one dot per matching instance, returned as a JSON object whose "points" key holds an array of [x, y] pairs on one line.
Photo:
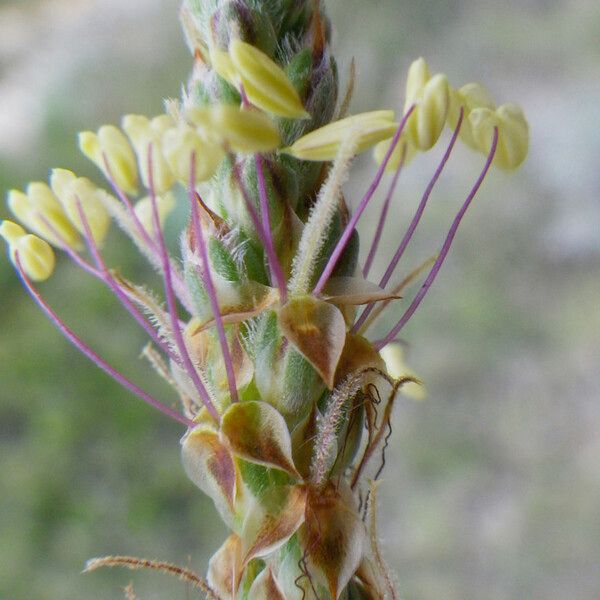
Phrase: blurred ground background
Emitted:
{"points": [[493, 491]]}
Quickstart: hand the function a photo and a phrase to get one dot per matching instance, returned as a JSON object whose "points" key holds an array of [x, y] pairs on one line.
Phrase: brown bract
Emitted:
{"points": [[317, 330]]}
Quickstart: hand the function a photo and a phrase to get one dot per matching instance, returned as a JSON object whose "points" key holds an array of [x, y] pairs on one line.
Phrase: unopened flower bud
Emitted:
{"points": [[73, 191], [144, 210], [324, 143], [513, 134], [111, 143], [265, 82], [35, 255], [240, 130], [40, 210], [182, 143], [145, 134]]}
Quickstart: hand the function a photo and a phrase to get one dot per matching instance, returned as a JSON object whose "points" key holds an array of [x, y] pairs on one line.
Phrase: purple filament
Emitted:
{"points": [[384, 211], [104, 275], [87, 351], [206, 276], [150, 244], [274, 264], [347, 233], [414, 223], [171, 302], [256, 220], [443, 252]]}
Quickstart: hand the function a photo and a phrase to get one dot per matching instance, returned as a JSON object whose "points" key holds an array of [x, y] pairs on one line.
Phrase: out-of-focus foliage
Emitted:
{"points": [[494, 488]]}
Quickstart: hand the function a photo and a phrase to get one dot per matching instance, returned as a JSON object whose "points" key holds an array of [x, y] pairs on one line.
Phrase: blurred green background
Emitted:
{"points": [[493, 490]]}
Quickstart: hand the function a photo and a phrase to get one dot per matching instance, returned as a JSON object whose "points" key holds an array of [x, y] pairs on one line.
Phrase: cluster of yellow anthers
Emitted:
{"points": [[437, 103], [171, 146]]}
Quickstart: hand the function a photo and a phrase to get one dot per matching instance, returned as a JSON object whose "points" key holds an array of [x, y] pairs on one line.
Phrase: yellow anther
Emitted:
{"points": [[11, 231], [145, 211], [145, 134], [73, 191], [323, 144], [393, 356], [40, 210], [36, 256], [426, 124], [180, 144], [236, 129], [265, 82], [513, 134], [416, 79], [111, 143], [469, 97], [224, 67], [404, 145]]}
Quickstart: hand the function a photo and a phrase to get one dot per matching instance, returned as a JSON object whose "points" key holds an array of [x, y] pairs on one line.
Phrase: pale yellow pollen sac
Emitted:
{"points": [[393, 356], [417, 77], [431, 97], [40, 210], [111, 143], [265, 83], [427, 122], [513, 134], [181, 144], [145, 134], [11, 231], [324, 143], [233, 128], [144, 210], [73, 191], [469, 97], [35, 255]]}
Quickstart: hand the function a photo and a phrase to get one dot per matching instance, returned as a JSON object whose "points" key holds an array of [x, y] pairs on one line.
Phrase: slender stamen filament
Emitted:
{"points": [[384, 211], [145, 238], [104, 275], [87, 351], [443, 252], [277, 275], [347, 233], [415, 221], [171, 302], [381, 306], [206, 277], [257, 222]]}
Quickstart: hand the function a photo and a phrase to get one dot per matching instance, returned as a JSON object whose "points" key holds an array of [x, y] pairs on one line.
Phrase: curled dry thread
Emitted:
{"points": [[285, 398]]}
